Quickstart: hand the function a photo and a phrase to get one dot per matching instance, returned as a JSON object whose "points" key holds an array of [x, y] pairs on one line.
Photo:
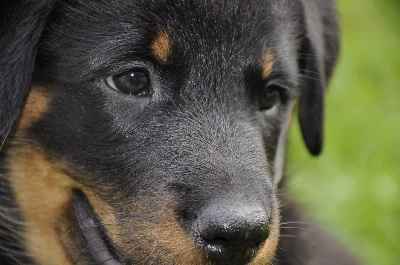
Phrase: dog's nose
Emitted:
{"points": [[232, 235]]}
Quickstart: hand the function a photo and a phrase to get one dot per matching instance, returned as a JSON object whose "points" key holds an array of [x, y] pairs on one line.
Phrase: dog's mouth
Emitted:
{"points": [[98, 245]]}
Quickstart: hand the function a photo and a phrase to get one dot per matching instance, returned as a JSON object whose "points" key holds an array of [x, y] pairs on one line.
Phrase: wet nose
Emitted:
{"points": [[232, 234]]}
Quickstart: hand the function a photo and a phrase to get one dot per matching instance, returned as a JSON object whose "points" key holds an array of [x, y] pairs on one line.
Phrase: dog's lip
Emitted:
{"points": [[98, 245]]}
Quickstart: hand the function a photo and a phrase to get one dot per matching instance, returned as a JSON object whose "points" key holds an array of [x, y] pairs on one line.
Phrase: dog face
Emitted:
{"points": [[152, 132]]}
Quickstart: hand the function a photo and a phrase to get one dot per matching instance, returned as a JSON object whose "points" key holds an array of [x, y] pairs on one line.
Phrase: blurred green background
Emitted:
{"points": [[354, 187]]}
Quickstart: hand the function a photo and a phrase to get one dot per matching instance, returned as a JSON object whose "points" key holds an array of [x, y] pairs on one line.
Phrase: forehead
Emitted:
{"points": [[230, 32], [223, 21], [220, 14]]}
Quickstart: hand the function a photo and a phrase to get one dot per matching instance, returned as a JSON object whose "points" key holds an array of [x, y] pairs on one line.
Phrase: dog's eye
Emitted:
{"points": [[269, 97], [134, 82]]}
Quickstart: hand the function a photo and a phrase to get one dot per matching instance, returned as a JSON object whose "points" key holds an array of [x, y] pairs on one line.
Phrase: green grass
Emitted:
{"points": [[354, 187]]}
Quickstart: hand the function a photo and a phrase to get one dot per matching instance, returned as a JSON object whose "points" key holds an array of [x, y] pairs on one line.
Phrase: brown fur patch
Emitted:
{"points": [[268, 63], [161, 47], [150, 234], [43, 194], [36, 105], [43, 191]]}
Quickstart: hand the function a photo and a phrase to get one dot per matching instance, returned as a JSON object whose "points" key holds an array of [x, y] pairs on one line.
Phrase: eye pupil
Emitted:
{"points": [[269, 97], [134, 82]]}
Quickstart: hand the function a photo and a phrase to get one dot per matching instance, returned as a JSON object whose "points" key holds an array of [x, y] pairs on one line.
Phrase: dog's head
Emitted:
{"points": [[152, 132]]}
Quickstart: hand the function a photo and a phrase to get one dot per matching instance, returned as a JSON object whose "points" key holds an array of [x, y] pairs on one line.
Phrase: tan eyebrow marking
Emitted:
{"points": [[161, 46], [268, 62], [36, 105]]}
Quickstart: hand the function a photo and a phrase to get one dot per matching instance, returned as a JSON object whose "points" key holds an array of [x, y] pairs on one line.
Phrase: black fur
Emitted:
{"points": [[201, 137], [21, 25]]}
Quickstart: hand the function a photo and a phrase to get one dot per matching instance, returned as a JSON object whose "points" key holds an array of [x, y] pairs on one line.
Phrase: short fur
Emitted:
{"points": [[90, 175]]}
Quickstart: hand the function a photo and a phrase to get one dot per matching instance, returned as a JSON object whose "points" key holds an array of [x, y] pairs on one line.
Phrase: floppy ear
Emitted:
{"points": [[318, 53], [21, 23]]}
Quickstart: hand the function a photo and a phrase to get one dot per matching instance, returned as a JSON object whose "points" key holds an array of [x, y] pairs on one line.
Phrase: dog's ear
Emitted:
{"points": [[318, 53], [21, 24]]}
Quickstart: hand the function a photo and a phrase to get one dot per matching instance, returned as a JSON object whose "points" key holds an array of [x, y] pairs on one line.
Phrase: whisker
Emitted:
{"points": [[309, 77], [295, 222], [298, 228], [295, 184], [129, 252]]}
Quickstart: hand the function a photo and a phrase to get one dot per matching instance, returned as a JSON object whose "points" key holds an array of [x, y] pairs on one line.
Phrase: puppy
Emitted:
{"points": [[153, 132]]}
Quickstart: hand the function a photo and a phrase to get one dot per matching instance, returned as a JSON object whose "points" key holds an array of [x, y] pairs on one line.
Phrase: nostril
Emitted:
{"points": [[257, 245], [254, 248], [217, 241]]}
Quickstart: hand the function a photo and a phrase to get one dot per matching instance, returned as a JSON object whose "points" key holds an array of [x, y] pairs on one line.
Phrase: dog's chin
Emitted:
{"points": [[99, 246]]}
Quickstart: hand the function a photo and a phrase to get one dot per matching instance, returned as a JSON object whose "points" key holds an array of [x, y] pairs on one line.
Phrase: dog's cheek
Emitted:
{"points": [[43, 194]]}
